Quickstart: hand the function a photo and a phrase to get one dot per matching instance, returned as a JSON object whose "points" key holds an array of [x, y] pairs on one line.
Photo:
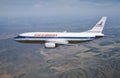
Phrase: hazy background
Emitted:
{"points": [[59, 8], [99, 58]]}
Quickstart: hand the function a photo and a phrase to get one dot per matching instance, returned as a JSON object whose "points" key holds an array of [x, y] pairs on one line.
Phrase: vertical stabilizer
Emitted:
{"points": [[98, 28]]}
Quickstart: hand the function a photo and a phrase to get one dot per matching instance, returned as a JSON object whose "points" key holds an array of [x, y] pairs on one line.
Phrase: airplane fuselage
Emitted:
{"points": [[41, 37], [51, 39]]}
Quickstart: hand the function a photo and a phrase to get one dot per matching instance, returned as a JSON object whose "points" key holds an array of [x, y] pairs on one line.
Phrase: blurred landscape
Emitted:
{"points": [[99, 58]]}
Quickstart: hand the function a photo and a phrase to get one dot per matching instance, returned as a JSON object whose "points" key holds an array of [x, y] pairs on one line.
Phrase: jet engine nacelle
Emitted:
{"points": [[50, 45]]}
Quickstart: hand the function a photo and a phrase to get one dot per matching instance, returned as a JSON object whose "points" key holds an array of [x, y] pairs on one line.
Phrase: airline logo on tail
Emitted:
{"points": [[100, 24]]}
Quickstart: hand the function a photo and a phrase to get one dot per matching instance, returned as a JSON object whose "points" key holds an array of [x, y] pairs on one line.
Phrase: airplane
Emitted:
{"points": [[52, 39]]}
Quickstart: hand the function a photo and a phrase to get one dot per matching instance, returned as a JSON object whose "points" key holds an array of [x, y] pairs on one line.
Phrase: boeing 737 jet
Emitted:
{"points": [[51, 39]]}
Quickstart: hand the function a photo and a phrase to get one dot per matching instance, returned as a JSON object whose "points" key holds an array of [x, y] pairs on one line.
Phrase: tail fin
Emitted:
{"points": [[98, 28]]}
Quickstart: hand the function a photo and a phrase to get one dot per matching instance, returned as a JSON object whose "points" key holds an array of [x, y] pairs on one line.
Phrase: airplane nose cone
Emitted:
{"points": [[18, 38]]}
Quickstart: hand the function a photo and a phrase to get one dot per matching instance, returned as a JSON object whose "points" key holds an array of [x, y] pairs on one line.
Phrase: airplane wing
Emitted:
{"points": [[51, 43]]}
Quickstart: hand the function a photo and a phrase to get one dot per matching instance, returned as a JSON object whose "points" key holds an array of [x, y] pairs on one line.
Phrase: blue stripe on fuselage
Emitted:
{"points": [[18, 37]]}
